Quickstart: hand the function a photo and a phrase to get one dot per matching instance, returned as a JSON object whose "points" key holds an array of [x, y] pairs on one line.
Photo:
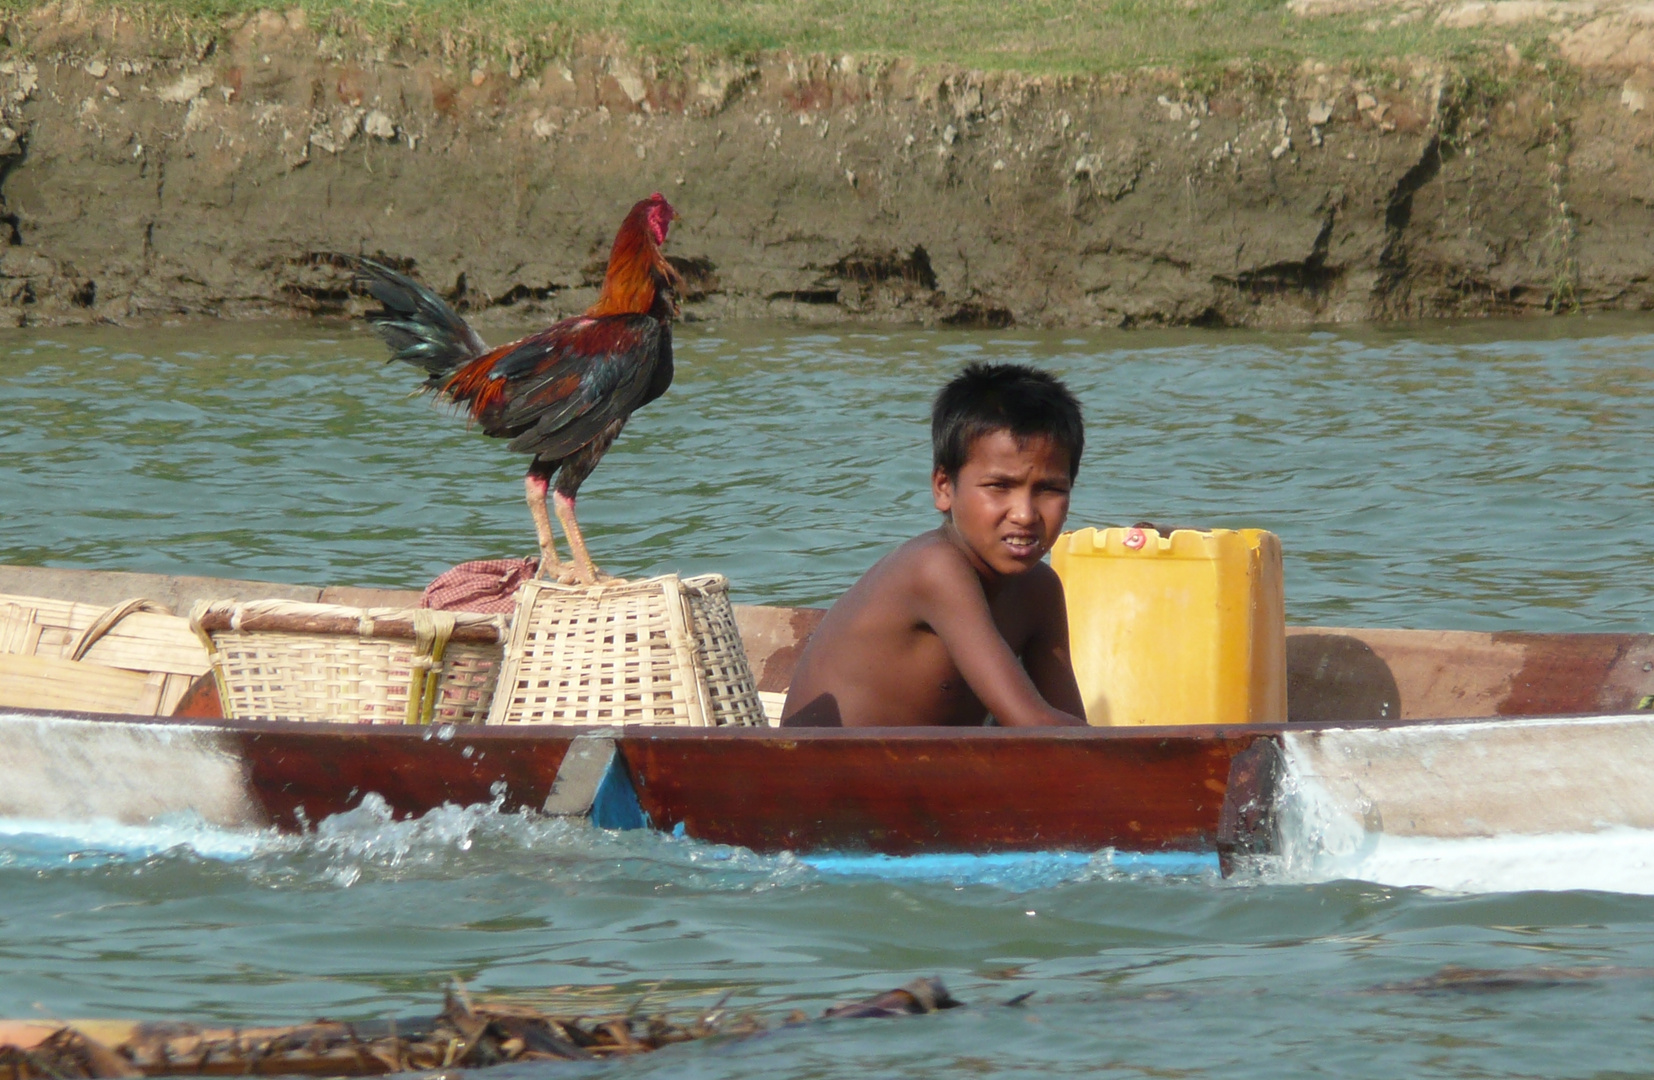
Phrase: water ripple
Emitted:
{"points": [[1483, 477]]}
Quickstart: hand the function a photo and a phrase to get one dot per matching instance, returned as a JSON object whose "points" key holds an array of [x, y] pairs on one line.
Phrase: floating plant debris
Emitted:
{"points": [[464, 1035], [1454, 979]]}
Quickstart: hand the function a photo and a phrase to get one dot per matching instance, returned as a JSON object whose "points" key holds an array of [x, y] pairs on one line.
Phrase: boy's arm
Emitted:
{"points": [[1047, 657], [950, 601]]}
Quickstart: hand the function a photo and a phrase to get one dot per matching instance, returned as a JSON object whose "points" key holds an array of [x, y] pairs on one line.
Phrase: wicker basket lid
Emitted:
{"points": [[665, 650]]}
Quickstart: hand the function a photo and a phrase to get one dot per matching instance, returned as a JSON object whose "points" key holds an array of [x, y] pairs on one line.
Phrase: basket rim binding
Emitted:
{"points": [[270, 612]]}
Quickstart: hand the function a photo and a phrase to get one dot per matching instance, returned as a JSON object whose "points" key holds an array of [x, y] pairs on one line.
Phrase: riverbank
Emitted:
{"points": [[154, 171]]}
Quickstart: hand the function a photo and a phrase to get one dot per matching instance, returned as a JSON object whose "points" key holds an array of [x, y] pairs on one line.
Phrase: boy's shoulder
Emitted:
{"points": [[932, 561]]}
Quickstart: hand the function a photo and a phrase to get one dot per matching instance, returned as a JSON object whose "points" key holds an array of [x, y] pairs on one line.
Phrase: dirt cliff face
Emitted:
{"points": [[142, 182]]}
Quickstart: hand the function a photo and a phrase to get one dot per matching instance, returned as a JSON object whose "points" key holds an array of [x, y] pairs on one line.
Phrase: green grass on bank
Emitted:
{"points": [[1060, 37]]}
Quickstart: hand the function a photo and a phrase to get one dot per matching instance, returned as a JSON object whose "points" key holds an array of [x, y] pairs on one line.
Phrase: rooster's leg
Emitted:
{"points": [[550, 565], [582, 571], [571, 473]]}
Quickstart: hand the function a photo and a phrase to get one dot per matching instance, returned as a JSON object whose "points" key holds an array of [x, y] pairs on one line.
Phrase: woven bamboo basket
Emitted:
{"points": [[133, 657], [283, 660], [661, 651]]}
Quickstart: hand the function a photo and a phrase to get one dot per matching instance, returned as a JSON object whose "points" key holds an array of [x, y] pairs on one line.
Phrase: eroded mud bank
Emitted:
{"points": [[145, 182]]}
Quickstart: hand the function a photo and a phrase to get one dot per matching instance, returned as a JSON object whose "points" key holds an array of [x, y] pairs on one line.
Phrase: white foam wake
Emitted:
{"points": [[370, 843], [40, 844], [1321, 837], [1614, 860]]}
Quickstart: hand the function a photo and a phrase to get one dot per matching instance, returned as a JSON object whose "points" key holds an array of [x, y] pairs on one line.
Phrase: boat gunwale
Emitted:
{"points": [[660, 732]]}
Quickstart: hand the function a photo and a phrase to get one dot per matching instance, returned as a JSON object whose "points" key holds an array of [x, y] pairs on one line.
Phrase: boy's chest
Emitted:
{"points": [[938, 689]]}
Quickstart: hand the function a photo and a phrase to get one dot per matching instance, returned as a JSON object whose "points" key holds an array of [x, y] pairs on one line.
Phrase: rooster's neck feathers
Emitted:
{"points": [[637, 270]]}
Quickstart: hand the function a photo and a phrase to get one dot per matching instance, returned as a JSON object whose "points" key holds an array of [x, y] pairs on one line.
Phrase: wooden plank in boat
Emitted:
{"points": [[147, 641], [141, 641], [48, 682]]}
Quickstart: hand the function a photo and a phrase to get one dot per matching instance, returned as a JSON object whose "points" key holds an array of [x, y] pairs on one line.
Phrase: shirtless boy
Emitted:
{"points": [[965, 620]]}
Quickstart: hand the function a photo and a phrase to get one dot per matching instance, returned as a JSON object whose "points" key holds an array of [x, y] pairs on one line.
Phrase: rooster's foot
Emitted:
{"points": [[591, 575]]}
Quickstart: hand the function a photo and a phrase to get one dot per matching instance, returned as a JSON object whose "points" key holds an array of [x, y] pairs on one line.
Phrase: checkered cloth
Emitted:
{"points": [[487, 585]]}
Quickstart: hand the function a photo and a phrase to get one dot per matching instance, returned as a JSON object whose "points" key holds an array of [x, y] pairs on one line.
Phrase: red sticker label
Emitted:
{"points": [[1135, 538]]}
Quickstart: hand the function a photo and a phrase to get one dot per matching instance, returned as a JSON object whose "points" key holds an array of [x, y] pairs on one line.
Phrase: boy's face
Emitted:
{"points": [[1009, 502]]}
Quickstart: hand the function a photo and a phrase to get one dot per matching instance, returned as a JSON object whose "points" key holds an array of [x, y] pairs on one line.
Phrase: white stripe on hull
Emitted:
{"points": [[1476, 779], [56, 768]]}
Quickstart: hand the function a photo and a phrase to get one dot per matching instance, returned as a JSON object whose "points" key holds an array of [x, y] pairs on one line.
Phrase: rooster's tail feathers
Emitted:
{"points": [[418, 325]]}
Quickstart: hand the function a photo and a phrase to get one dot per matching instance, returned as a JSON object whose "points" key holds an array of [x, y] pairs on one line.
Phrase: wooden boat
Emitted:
{"points": [[892, 791]]}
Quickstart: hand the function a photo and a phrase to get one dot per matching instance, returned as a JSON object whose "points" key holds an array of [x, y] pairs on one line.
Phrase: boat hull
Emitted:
{"points": [[888, 792], [903, 792]]}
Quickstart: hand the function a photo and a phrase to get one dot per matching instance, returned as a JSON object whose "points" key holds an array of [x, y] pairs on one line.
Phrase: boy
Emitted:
{"points": [[965, 620]]}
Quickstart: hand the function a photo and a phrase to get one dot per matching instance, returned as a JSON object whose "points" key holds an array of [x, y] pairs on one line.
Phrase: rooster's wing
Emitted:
{"points": [[558, 389]]}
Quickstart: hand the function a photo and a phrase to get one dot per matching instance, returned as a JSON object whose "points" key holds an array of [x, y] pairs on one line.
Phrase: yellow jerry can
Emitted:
{"points": [[1182, 629]]}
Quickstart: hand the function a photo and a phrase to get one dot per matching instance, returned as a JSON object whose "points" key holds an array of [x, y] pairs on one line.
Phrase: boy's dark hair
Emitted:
{"points": [[985, 398]]}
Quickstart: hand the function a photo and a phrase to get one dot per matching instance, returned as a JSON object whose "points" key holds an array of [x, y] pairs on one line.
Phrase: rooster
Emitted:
{"points": [[562, 394]]}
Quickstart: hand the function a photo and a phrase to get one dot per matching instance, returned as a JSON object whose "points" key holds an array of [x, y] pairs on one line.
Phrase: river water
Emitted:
{"points": [[1488, 476]]}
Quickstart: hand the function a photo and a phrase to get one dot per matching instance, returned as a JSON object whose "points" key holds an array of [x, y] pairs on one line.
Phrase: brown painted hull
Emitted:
{"points": [[301, 773], [901, 792], [888, 792]]}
